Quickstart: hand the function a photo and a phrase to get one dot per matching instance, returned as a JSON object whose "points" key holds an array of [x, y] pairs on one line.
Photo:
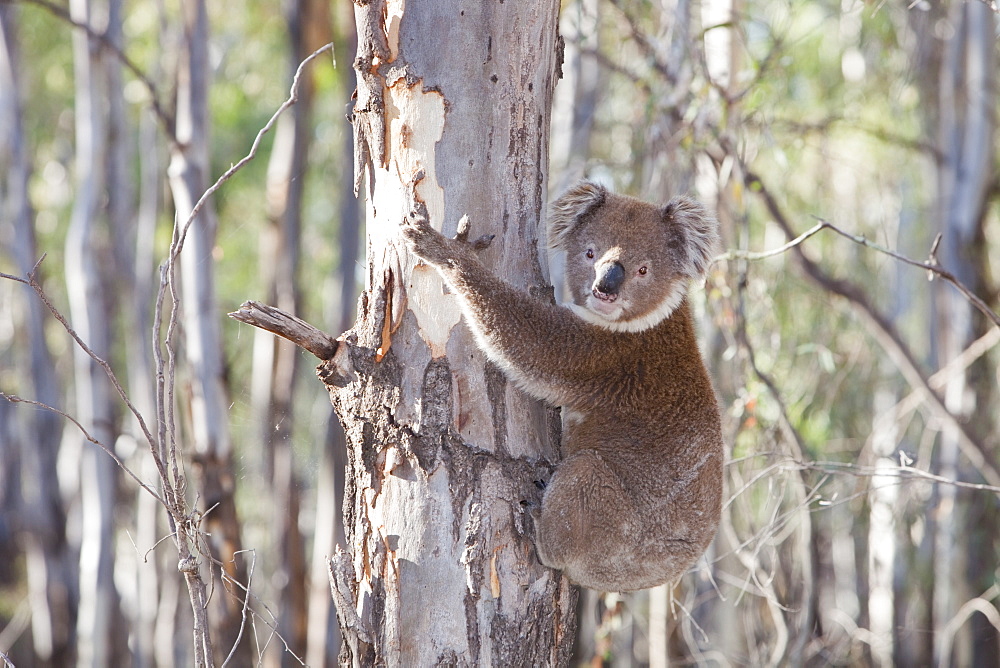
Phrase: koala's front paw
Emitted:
{"points": [[424, 241], [463, 235], [433, 247]]}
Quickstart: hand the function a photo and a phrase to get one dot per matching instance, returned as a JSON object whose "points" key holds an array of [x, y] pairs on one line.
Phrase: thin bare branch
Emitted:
{"points": [[931, 265], [14, 399], [246, 602], [736, 254], [900, 472], [883, 330], [293, 97], [165, 119], [287, 326], [36, 286], [13, 278]]}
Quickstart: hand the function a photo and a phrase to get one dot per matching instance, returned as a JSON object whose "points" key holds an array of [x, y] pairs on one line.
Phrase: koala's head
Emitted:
{"points": [[628, 262]]}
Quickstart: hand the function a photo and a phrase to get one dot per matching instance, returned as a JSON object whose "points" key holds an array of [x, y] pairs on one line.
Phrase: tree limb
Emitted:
{"points": [[287, 326], [166, 120], [931, 265], [884, 332]]}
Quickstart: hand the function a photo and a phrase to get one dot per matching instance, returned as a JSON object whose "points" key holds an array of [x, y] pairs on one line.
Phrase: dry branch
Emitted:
{"points": [[931, 265], [165, 119], [883, 330], [287, 326]]}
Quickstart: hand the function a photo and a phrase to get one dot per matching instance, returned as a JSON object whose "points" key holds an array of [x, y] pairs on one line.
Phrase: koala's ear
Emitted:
{"points": [[565, 213], [695, 234]]}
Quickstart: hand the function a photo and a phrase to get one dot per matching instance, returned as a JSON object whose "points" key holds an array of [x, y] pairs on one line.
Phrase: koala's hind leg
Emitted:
{"points": [[588, 526]]}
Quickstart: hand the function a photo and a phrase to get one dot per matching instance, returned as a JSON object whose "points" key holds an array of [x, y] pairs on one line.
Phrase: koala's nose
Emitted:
{"points": [[609, 280]]}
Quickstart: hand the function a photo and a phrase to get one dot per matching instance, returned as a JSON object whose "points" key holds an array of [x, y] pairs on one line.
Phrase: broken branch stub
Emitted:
{"points": [[287, 326]]}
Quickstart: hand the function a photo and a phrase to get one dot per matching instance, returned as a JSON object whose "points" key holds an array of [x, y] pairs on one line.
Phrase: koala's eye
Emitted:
{"points": [[590, 253], [642, 271]]}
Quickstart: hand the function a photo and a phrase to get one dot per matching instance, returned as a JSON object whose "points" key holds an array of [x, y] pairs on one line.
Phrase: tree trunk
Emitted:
{"points": [[275, 360], [212, 449], [324, 634], [43, 535], [444, 452], [98, 619], [150, 521], [965, 127]]}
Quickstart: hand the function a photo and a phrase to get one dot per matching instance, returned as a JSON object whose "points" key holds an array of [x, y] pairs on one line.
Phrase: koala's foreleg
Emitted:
{"points": [[533, 342]]}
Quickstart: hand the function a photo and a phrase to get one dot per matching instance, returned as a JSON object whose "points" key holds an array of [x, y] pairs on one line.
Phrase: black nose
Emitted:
{"points": [[610, 280]]}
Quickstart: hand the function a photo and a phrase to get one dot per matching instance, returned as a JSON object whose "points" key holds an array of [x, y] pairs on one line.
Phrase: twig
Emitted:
{"points": [[32, 281], [14, 399], [883, 330], [931, 265], [901, 472], [736, 254], [166, 120], [293, 97], [246, 603]]}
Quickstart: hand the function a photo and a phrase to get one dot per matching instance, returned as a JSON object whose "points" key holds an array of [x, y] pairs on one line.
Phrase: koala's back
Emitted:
{"points": [[651, 427]]}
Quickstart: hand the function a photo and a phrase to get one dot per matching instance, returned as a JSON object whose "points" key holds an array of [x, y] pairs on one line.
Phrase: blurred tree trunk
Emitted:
{"points": [[211, 449], [959, 88], [443, 451], [965, 131], [275, 360], [51, 586], [324, 633], [576, 96], [99, 619], [575, 99], [149, 517]]}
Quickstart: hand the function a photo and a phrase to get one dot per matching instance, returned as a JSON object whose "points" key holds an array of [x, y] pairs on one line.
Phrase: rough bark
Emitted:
{"points": [[443, 452]]}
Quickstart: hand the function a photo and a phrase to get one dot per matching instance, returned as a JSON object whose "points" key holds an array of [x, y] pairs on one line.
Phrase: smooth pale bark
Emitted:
{"points": [[36, 433], [965, 127], [451, 118], [98, 618], [211, 446]]}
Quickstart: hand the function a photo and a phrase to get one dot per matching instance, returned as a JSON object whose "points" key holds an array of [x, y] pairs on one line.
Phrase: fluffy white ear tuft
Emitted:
{"points": [[697, 234], [565, 213]]}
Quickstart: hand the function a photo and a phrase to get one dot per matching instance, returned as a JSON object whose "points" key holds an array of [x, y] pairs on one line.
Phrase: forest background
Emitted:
{"points": [[860, 398]]}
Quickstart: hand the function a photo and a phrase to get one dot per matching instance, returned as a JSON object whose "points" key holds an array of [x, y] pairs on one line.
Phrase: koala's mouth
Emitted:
{"points": [[605, 305]]}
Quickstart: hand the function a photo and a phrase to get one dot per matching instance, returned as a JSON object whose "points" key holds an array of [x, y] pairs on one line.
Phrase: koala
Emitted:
{"points": [[637, 497]]}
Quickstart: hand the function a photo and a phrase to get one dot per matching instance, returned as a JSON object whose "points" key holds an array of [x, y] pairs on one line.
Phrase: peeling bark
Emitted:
{"points": [[444, 454]]}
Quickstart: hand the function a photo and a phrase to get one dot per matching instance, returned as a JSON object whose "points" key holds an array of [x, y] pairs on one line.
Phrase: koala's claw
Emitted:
{"points": [[463, 228], [428, 244], [483, 242], [463, 235]]}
